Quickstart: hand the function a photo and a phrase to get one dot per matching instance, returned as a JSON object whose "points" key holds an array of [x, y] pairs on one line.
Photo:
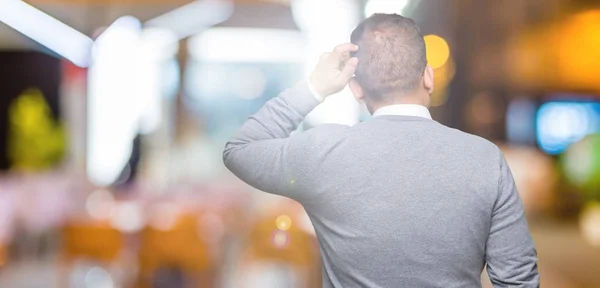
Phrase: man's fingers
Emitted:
{"points": [[349, 70], [334, 70], [325, 55], [341, 53], [345, 48], [342, 60]]}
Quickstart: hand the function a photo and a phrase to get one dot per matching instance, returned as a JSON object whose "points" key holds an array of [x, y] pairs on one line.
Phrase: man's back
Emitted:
{"points": [[399, 200], [412, 206]]}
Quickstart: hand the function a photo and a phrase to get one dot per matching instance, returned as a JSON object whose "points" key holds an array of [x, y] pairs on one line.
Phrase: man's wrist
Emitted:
{"points": [[313, 91], [298, 98]]}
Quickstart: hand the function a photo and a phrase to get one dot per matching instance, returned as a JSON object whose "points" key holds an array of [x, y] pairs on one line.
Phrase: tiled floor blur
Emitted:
{"points": [[30, 275], [566, 261], [565, 258]]}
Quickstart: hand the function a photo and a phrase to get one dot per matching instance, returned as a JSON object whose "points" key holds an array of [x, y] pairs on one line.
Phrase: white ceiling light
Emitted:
{"points": [[159, 43], [113, 100], [248, 45], [385, 6], [325, 16], [46, 30], [192, 18]]}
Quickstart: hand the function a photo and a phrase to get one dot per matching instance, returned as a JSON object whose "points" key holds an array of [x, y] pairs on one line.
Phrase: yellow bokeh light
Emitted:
{"points": [[562, 55], [438, 51], [283, 222], [578, 57]]}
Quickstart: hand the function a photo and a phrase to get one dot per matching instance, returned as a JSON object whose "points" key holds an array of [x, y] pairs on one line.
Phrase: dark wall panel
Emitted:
{"points": [[20, 70]]}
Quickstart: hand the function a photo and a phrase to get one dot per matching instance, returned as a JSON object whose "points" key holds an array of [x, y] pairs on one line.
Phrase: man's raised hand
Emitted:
{"points": [[334, 70]]}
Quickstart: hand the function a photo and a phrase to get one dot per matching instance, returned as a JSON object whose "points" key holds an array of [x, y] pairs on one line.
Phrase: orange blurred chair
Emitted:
{"points": [[92, 240], [95, 240], [180, 246], [278, 238], [3, 255]]}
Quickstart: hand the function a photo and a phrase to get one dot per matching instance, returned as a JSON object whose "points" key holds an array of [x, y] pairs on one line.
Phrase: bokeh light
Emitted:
{"points": [[561, 55], [581, 163], [438, 51], [280, 239], [164, 216], [283, 222], [589, 223], [128, 217], [577, 45], [98, 277], [559, 124], [100, 204]]}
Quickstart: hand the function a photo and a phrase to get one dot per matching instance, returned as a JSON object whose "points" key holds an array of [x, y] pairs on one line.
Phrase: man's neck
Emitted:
{"points": [[405, 101], [414, 110]]}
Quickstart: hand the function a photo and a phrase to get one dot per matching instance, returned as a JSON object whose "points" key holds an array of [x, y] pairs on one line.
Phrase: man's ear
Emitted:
{"points": [[357, 90], [428, 79]]}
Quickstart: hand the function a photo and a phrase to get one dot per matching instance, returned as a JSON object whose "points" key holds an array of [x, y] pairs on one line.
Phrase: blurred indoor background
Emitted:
{"points": [[113, 115]]}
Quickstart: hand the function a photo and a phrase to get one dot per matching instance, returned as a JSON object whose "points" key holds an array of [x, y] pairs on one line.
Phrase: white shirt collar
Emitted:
{"points": [[404, 110]]}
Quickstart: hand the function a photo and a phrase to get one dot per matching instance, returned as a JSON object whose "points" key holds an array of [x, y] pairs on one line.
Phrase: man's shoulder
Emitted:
{"points": [[467, 137], [470, 141], [323, 134], [329, 129]]}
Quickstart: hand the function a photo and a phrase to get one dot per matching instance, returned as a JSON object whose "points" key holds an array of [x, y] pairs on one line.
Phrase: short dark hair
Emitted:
{"points": [[391, 54]]}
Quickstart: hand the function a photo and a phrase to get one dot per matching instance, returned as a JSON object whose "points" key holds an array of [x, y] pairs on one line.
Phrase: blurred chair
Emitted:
{"points": [[3, 255], [94, 240], [179, 247], [98, 241], [276, 238]]}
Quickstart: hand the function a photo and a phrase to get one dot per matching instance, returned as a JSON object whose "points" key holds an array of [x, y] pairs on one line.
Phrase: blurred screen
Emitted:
{"points": [[562, 123], [520, 121]]}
